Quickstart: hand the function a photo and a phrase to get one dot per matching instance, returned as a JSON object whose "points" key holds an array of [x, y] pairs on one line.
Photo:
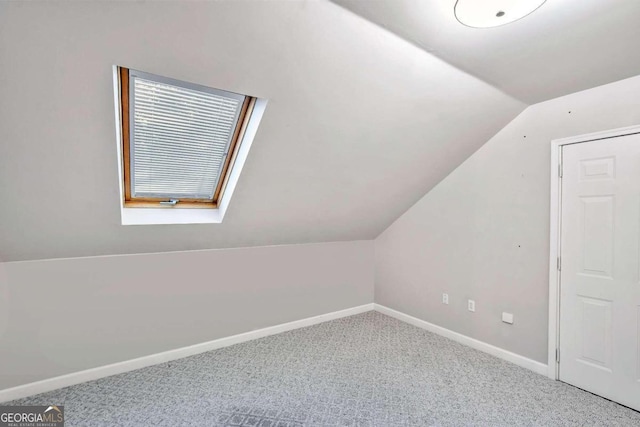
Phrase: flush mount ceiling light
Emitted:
{"points": [[493, 13]]}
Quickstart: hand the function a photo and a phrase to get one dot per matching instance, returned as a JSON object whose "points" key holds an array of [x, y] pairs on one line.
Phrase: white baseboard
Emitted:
{"points": [[50, 384], [525, 362]]}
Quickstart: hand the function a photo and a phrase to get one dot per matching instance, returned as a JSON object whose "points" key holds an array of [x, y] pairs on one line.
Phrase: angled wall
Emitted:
{"points": [[66, 315], [483, 232]]}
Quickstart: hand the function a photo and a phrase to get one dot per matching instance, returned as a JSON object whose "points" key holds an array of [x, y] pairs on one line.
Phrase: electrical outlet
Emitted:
{"points": [[471, 305], [507, 318], [445, 298]]}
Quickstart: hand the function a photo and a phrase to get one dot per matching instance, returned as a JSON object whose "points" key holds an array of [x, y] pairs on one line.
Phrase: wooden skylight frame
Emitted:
{"points": [[155, 202]]}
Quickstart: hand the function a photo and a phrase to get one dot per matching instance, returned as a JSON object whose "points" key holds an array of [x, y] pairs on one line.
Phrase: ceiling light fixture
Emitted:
{"points": [[493, 13]]}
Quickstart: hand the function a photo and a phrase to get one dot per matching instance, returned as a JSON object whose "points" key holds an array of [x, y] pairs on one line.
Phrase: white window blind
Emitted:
{"points": [[179, 136]]}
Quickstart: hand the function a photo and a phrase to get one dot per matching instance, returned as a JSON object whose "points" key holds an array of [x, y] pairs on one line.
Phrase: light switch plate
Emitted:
{"points": [[471, 305], [507, 318], [445, 298]]}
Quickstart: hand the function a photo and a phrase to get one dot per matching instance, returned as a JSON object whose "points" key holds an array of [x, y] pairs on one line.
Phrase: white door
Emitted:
{"points": [[600, 268]]}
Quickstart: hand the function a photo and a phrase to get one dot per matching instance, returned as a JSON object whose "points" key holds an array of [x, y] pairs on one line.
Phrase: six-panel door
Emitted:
{"points": [[600, 268]]}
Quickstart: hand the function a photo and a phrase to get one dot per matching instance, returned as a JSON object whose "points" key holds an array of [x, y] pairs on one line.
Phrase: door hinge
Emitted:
{"points": [[557, 355], [560, 170], [559, 264]]}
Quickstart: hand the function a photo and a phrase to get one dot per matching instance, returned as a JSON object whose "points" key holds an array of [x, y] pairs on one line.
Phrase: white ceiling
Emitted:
{"points": [[563, 47], [360, 123]]}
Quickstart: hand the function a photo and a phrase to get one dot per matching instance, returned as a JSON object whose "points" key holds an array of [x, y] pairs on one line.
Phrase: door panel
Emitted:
{"points": [[597, 235], [599, 279], [595, 332]]}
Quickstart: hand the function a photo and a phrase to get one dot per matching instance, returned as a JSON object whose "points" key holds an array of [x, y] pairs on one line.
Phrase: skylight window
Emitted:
{"points": [[178, 140]]}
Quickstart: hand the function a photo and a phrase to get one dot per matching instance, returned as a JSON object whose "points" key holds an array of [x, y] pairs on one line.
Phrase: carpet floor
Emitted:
{"points": [[364, 370]]}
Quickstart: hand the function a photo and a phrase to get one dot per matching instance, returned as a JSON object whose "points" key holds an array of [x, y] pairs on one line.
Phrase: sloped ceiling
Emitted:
{"points": [[564, 47], [360, 123]]}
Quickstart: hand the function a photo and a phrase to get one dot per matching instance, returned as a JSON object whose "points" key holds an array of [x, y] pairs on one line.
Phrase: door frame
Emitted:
{"points": [[555, 234]]}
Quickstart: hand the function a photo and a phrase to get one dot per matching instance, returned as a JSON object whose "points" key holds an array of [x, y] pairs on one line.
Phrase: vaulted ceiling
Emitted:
{"points": [[360, 122], [564, 47]]}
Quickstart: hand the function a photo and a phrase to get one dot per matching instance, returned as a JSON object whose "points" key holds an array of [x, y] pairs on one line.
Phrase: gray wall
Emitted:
{"points": [[483, 232], [65, 315]]}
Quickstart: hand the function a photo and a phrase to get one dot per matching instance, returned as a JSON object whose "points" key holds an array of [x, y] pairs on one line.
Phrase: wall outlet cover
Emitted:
{"points": [[445, 298], [471, 305]]}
